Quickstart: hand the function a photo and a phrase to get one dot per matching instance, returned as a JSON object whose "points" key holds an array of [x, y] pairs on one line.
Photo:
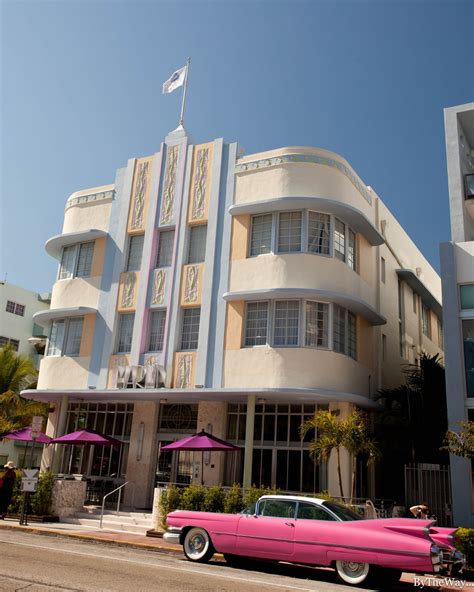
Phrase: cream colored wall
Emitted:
{"points": [[298, 270], [87, 340], [234, 325], [88, 215], [215, 414], [240, 236], [298, 367], [366, 261], [76, 292], [99, 255], [366, 350], [464, 253], [62, 372]]}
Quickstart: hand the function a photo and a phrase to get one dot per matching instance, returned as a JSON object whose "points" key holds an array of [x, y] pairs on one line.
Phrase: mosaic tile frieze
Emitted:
{"points": [[191, 284], [127, 299], [311, 158], [90, 198], [158, 290], [198, 206], [167, 201], [138, 205], [184, 371]]}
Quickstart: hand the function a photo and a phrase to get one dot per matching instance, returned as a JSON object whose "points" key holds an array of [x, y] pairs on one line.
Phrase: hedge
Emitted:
{"points": [[464, 541], [39, 503]]}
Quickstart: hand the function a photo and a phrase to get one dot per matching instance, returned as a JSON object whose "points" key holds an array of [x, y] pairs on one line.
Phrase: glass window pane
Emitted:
{"points": [[256, 323], [352, 335], [351, 250], [317, 321], [197, 244], [426, 320], [74, 334], [67, 262], [468, 339], [261, 238], [84, 261], [339, 329], [318, 233], [467, 296], [157, 330], [125, 333], [286, 325], [190, 330], [135, 248], [289, 232], [340, 240], [56, 338], [165, 248]]}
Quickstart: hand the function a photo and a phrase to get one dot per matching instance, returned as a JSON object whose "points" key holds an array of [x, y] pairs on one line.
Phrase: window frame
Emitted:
{"points": [[169, 254], [194, 259], [278, 232], [117, 348], [61, 349], [138, 264], [161, 311], [305, 322], [267, 326], [272, 233], [16, 308], [287, 326], [185, 313], [75, 249], [426, 328]]}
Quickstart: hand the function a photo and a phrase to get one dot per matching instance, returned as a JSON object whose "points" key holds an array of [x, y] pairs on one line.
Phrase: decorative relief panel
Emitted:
{"points": [[311, 158], [167, 200], [158, 290], [198, 202], [114, 363], [191, 284], [138, 203], [127, 291], [184, 366]]}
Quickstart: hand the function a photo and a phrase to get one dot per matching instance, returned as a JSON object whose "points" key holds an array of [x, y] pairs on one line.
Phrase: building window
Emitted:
{"points": [[382, 270], [414, 302], [76, 261], [261, 235], [340, 240], [401, 340], [165, 248], [351, 250], [125, 333], [15, 308], [317, 324], [65, 337], [256, 323], [384, 347], [426, 321], [468, 339], [190, 330], [157, 330], [339, 329], [289, 232], [197, 244], [135, 250], [467, 296], [14, 343], [318, 233], [286, 322], [440, 333], [351, 335]]}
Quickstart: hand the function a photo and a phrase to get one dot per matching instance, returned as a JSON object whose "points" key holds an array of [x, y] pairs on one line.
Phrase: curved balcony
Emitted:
{"points": [[55, 244], [347, 213], [44, 317]]}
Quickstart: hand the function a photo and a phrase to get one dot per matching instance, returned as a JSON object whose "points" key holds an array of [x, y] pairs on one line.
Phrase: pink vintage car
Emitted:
{"points": [[314, 531]]}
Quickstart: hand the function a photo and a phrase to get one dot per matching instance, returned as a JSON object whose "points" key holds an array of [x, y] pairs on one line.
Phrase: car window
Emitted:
{"points": [[342, 512], [308, 511], [278, 508], [249, 509]]}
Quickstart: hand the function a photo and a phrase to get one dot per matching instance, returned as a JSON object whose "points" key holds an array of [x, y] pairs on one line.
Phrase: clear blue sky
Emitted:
{"points": [[81, 93]]}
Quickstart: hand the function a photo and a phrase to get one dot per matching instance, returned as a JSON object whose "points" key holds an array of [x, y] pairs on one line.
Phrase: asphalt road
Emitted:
{"points": [[38, 563]]}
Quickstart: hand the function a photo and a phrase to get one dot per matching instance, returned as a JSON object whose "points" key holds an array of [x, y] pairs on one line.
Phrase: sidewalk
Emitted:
{"points": [[159, 545]]}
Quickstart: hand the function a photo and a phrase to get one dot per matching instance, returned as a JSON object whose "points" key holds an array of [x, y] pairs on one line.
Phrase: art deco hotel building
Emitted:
{"points": [[203, 289]]}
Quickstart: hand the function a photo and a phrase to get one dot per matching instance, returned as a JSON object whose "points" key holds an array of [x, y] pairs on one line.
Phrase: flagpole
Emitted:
{"points": [[183, 103]]}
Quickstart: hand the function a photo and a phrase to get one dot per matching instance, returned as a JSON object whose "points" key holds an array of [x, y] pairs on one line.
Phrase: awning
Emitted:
{"points": [[54, 246], [44, 317], [410, 277], [194, 395]]}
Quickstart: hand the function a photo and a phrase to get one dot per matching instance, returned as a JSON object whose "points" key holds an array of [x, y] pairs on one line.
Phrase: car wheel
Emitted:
{"points": [[352, 572], [197, 545]]}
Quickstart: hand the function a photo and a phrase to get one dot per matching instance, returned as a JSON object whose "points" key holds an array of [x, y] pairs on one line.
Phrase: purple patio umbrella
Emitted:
{"points": [[204, 442], [24, 435]]}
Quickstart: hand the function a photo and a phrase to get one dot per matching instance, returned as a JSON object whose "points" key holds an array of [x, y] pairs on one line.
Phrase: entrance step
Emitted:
{"points": [[133, 522]]}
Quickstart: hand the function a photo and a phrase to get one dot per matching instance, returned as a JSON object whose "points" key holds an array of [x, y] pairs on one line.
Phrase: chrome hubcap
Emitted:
{"points": [[353, 569]]}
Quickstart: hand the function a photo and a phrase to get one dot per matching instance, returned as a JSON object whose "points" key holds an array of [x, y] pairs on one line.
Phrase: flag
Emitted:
{"points": [[175, 80]]}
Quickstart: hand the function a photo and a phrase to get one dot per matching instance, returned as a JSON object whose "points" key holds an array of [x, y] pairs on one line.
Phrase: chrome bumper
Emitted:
{"points": [[172, 535]]}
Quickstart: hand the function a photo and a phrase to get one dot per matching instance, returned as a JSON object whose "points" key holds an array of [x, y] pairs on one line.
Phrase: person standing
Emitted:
{"points": [[6, 490], [421, 511]]}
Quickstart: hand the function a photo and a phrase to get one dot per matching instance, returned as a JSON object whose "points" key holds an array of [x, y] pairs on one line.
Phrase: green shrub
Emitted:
{"points": [[252, 495], [169, 501], [192, 498], [233, 502], [214, 499], [464, 541], [40, 501]]}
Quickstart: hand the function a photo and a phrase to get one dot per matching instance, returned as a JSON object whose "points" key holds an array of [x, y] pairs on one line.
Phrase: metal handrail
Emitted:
{"points": [[119, 489]]}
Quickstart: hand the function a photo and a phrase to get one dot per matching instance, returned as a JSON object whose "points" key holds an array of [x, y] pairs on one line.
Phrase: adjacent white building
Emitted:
{"points": [[457, 271]]}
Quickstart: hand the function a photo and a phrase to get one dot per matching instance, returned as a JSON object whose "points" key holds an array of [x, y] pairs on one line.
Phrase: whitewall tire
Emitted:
{"points": [[197, 545], [352, 572]]}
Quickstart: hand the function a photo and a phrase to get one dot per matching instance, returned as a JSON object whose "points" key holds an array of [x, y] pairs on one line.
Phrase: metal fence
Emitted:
{"points": [[430, 483]]}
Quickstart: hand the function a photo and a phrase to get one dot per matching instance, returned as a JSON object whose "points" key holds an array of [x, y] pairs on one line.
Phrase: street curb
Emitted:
{"points": [[88, 537]]}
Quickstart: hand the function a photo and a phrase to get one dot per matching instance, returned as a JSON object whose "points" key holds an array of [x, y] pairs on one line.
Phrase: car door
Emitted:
{"points": [[270, 533], [311, 519]]}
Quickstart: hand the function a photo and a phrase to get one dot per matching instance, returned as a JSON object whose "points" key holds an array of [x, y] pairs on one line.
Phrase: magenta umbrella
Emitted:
{"points": [[86, 437], [204, 442], [24, 435]]}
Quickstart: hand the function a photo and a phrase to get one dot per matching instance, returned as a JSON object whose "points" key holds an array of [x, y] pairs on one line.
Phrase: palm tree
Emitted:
{"points": [[460, 443], [333, 433], [17, 372]]}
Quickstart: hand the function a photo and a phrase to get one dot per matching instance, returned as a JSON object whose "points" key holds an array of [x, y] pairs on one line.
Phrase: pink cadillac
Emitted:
{"points": [[314, 531]]}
